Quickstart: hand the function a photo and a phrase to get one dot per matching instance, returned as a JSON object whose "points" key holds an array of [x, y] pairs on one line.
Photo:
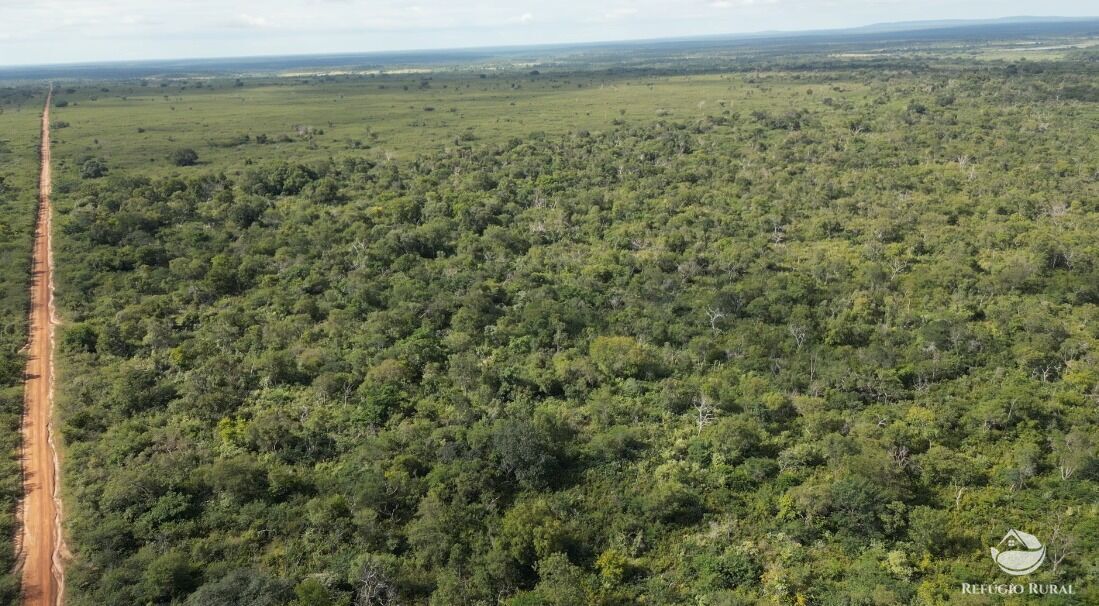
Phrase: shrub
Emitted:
{"points": [[93, 168], [184, 157], [244, 587]]}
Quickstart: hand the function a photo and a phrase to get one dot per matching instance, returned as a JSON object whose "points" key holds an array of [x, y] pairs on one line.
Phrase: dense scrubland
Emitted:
{"points": [[816, 334]]}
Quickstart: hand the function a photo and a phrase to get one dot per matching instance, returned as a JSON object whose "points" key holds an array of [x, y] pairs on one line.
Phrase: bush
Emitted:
{"points": [[673, 503], [243, 587], [184, 157], [79, 337], [93, 168], [622, 357], [528, 451]]}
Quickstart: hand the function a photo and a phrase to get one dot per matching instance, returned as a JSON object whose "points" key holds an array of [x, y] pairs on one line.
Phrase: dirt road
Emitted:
{"points": [[40, 545]]}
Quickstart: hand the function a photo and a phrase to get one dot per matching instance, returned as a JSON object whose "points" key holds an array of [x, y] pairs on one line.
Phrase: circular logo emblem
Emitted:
{"points": [[1024, 553]]}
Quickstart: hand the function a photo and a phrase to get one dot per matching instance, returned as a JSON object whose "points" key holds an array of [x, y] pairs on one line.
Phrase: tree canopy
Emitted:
{"points": [[822, 356]]}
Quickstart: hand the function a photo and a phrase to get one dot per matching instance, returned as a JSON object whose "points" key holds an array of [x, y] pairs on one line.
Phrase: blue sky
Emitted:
{"points": [[53, 31]]}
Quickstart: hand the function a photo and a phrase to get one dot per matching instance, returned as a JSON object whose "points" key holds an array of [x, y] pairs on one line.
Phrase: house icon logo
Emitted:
{"points": [[1024, 553]]}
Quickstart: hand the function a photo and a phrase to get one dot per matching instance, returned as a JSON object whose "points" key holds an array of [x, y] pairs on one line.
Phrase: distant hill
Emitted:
{"points": [[904, 26], [1011, 25]]}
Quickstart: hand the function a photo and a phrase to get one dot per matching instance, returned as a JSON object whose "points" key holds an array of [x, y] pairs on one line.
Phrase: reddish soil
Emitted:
{"points": [[40, 545]]}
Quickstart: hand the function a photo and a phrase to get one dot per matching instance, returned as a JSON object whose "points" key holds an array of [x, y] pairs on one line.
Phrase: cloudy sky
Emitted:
{"points": [[59, 31]]}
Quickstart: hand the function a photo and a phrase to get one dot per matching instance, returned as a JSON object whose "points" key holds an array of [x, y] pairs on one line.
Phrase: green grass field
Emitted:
{"points": [[394, 116]]}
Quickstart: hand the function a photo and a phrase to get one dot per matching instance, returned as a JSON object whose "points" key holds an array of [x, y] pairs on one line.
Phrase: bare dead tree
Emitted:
{"points": [[900, 456], [800, 334], [959, 492], [714, 315], [1061, 543], [375, 589], [896, 266], [706, 412], [1045, 373], [1074, 451], [778, 233]]}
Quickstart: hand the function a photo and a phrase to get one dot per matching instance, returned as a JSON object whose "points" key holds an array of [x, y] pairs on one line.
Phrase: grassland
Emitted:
{"points": [[400, 112], [397, 116]]}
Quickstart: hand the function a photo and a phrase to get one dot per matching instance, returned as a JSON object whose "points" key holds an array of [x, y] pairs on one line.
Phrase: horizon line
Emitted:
{"points": [[931, 24]]}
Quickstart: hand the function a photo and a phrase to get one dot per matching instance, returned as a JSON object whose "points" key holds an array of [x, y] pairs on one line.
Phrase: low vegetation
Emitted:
{"points": [[19, 124], [822, 344]]}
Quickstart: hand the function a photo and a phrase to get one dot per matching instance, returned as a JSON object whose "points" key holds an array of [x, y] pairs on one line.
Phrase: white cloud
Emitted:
{"points": [[620, 13], [252, 21]]}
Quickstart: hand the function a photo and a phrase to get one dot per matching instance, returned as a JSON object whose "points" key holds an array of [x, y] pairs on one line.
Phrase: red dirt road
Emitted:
{"points": [[40, 544]]}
